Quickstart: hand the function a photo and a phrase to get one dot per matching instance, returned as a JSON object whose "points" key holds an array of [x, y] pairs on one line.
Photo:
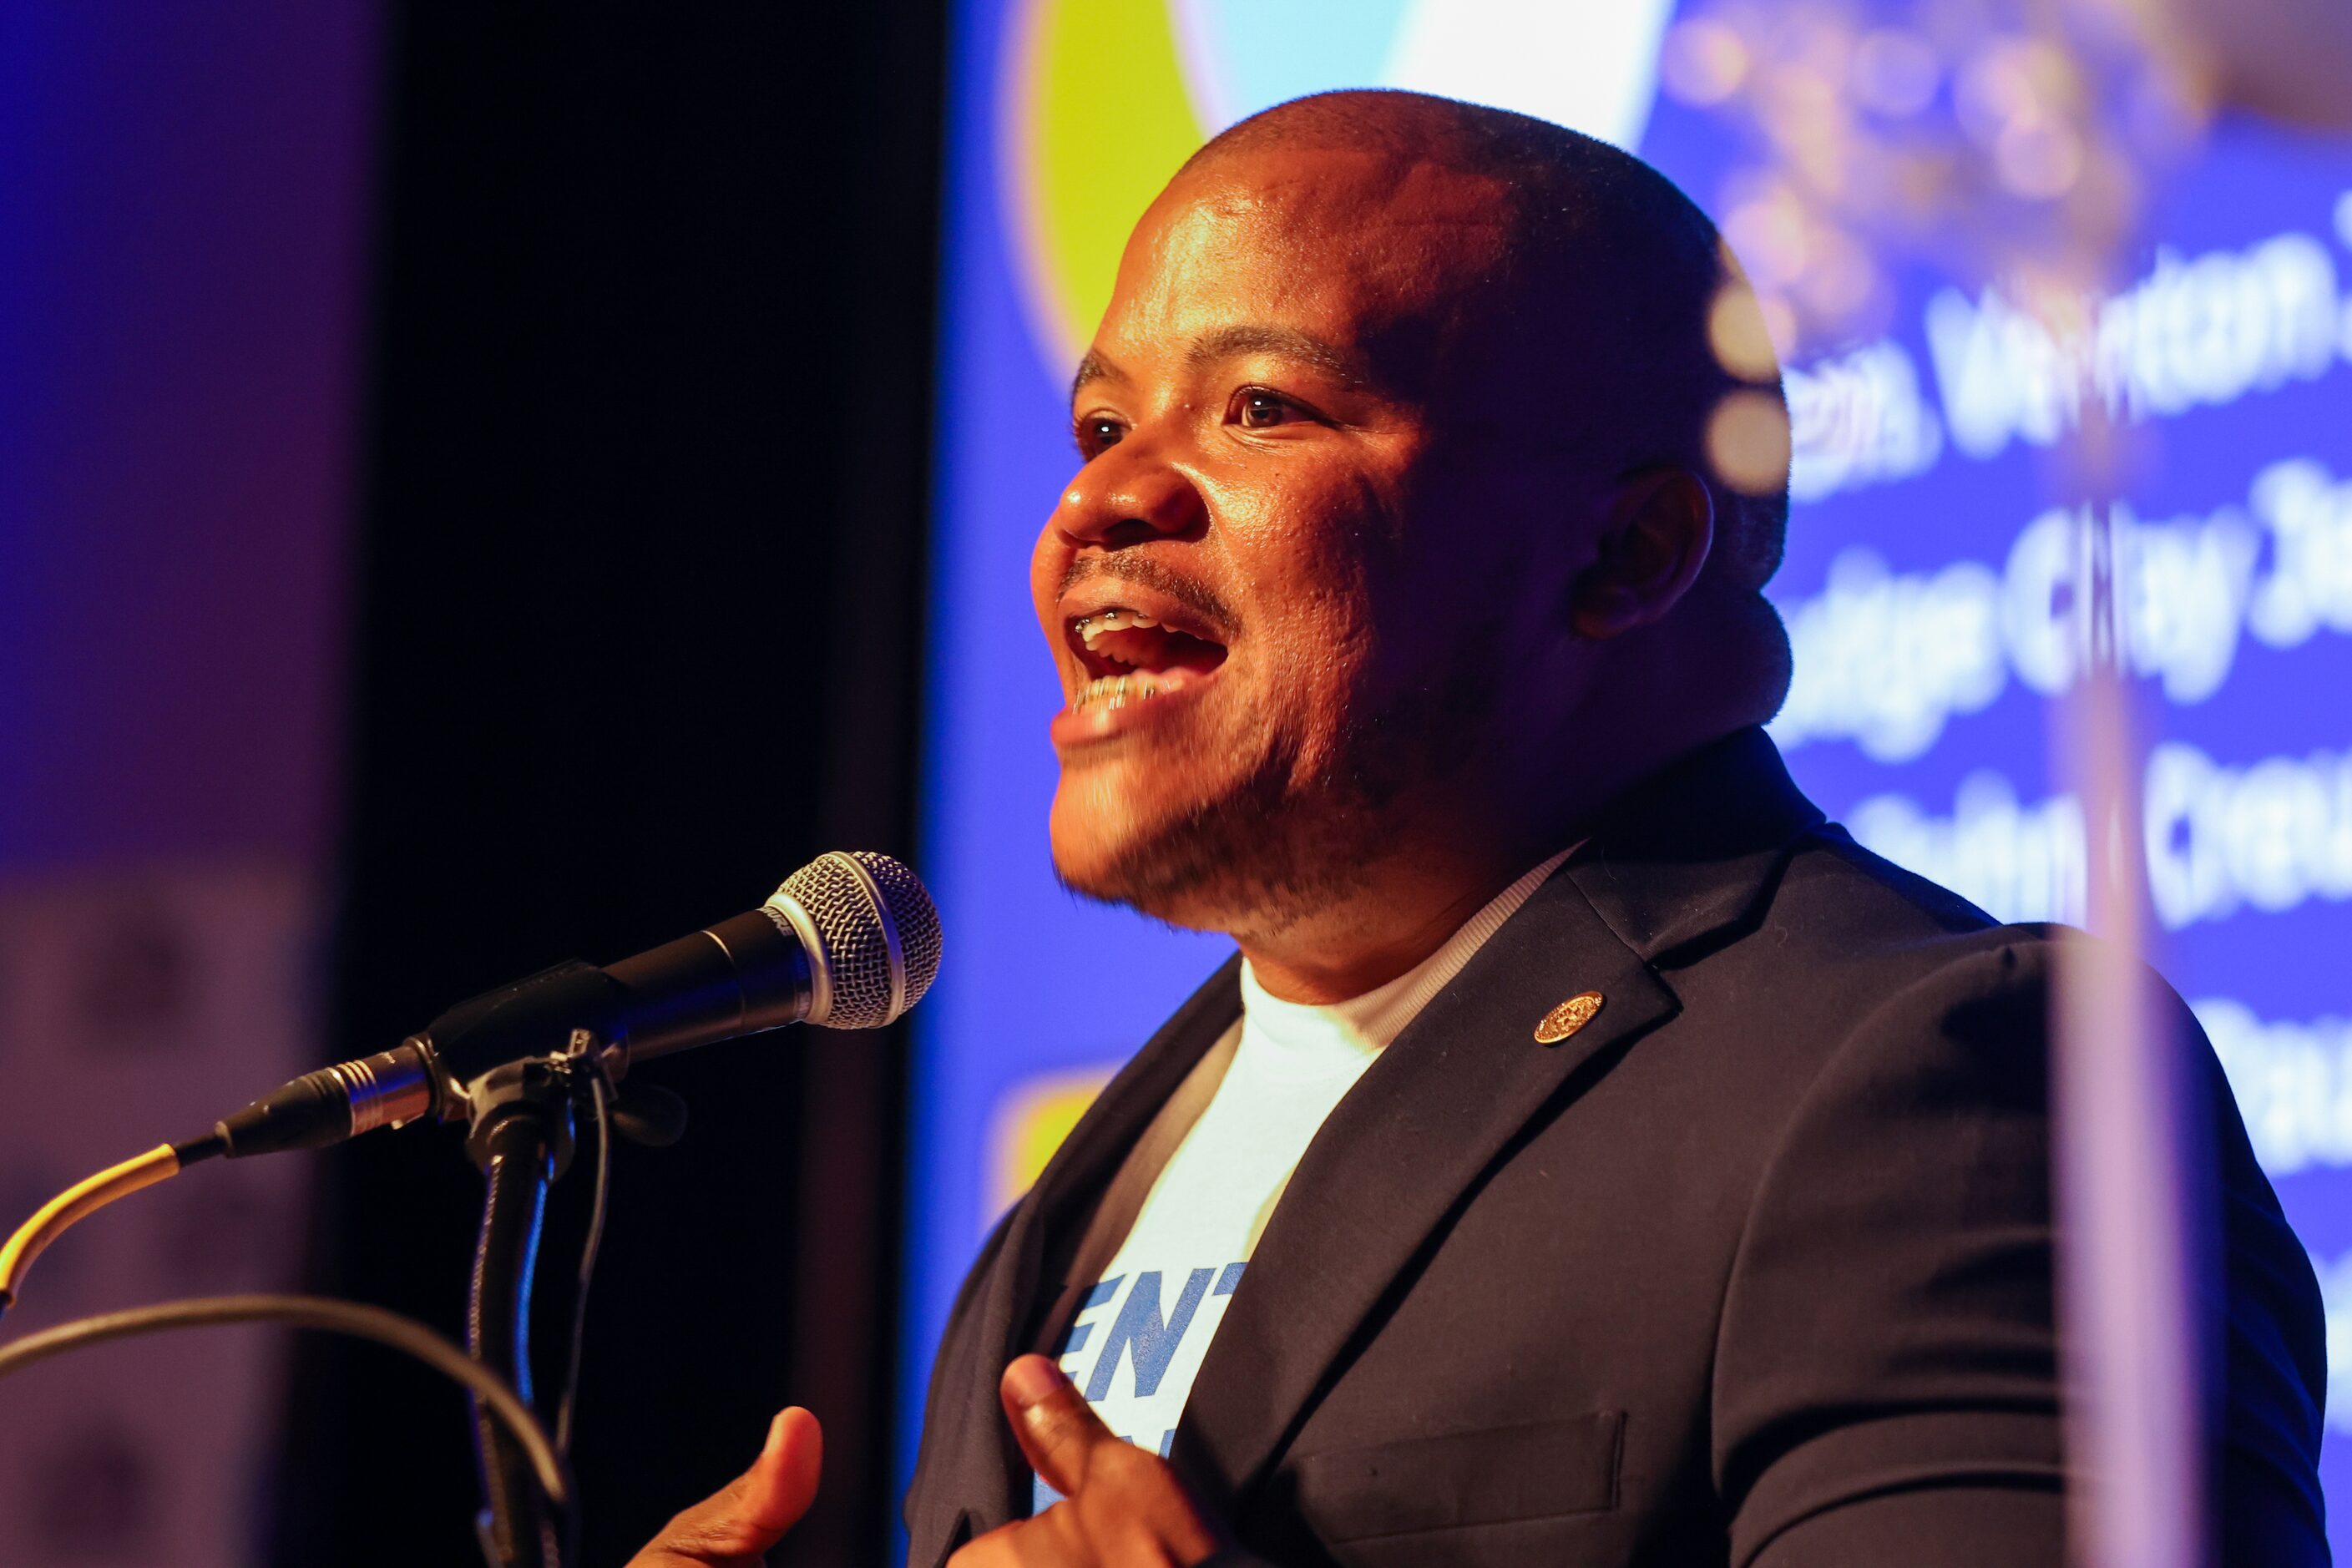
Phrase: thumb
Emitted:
{"points": [[1057, 1430], [736, 1524]]}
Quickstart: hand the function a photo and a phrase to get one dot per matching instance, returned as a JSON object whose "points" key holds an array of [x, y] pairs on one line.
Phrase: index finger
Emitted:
{"points": [[1057, 1430]]}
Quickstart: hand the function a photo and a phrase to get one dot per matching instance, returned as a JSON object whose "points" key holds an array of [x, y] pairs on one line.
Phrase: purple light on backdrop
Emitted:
{"points": [[183, 201], [186, 191]]}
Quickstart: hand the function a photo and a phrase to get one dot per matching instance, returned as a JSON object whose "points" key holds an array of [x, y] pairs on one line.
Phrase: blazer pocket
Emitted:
{"points": [[1492, 1476]]}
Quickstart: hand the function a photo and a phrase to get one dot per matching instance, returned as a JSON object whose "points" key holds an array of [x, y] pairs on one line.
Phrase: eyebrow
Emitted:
{"points": [[1094, 367], [1230, 343]]}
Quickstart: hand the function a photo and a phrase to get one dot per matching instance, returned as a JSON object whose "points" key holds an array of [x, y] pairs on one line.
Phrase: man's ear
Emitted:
{"points": [[1654, 537]]}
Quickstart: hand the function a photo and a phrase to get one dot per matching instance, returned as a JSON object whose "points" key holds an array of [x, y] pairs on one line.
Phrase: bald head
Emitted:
{"points": [[1598, 276]]}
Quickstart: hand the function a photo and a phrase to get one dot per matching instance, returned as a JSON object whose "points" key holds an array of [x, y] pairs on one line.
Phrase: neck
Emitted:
{"points": [[1438, 871], [1429, 876], [1399, 917]]}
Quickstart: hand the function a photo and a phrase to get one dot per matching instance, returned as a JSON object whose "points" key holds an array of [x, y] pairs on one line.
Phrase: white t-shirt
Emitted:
{"points": [[1137, 1342]]}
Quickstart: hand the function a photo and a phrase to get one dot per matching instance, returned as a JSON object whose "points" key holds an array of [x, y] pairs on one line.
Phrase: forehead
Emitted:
{"points": [[1356, 247]]}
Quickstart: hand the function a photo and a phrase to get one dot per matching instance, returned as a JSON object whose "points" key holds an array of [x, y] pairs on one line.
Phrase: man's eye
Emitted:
{"points": [[1261, 410], [1099, 432]]}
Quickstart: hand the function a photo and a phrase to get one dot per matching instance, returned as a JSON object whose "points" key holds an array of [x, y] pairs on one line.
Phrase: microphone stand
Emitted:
{"points": [[520, 1135]]}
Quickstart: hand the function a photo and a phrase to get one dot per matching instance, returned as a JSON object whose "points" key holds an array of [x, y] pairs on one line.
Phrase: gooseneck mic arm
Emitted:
{"points": [[520, 1138]]}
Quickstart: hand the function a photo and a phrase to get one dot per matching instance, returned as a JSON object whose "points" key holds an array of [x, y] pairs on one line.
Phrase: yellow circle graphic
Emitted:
{"points": [[1098, 121]]}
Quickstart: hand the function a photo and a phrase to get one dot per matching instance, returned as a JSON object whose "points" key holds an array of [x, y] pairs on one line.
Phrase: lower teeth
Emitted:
{"points": [[1115, 691]]}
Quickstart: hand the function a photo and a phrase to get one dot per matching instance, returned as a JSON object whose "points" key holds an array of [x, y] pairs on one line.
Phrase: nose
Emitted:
{"points": [[1130, 494]]}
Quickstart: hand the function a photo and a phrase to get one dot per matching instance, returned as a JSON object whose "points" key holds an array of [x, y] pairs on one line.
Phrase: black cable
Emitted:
{"points": [[402, 1334], [600, 1095]]}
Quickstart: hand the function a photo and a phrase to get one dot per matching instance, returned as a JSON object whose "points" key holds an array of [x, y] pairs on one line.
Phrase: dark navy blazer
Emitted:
{"points": [[1754, 1268]]}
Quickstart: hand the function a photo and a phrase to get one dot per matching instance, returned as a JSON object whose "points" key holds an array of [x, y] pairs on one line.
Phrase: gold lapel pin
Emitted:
{"points": [[1568, 1018]]}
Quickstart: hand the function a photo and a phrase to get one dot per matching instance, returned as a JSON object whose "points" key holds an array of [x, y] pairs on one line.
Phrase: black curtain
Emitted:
{"points": [[638, 632]]}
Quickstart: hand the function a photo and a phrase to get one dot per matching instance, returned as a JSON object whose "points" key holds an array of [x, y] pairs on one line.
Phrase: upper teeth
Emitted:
{"points": [[1111, 620]]}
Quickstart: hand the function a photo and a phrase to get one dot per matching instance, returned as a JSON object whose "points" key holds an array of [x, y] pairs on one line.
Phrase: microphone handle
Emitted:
{"points": [[747, 974]]}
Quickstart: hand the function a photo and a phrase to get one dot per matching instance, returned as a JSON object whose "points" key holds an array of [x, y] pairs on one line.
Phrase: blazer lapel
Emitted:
{"points": [[1402, 1150], [1687, 861], [1011, 1292]]}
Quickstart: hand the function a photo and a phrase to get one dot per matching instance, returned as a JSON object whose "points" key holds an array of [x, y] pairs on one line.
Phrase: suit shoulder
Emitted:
{"points": [[1852, 955], [1865, 928], [1828, 870]]}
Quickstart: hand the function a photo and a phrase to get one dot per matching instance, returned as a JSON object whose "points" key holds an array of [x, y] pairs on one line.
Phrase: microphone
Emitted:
{"points": [[850, 942]]}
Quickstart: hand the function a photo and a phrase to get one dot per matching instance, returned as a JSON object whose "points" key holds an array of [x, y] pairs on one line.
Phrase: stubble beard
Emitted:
{"points": [[1281, 841]]}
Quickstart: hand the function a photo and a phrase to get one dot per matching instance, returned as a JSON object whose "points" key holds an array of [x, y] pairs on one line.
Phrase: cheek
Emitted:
{"points": [[1311, 543], [1325, 670], [1304, 535]]}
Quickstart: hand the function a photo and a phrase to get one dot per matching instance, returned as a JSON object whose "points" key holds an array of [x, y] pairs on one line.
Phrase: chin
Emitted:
{"points": [[1104, 849], [1101, 849], [1245, 861]]}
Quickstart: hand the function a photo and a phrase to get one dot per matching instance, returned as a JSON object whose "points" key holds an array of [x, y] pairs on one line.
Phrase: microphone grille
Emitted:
{"points": [[878, 932], [909, 904]]}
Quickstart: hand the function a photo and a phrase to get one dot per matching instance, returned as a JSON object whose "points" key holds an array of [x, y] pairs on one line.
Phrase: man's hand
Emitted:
{"points": [[1122, 1507], [731, 1528]]}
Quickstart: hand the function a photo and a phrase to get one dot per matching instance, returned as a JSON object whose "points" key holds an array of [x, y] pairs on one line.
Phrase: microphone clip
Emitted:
{"points": [[542, 1089], [550, 1089]]}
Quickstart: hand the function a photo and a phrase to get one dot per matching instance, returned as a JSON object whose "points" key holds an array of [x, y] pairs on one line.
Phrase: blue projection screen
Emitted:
{"points": [[1926, 585]]}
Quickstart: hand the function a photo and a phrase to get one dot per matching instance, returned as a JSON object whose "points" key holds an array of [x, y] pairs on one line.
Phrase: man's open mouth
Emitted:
{"points": [[1131, 655]]}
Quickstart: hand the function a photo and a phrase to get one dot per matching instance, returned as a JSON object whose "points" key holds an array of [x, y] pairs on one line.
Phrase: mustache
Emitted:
{"points": [[1152, 574]]}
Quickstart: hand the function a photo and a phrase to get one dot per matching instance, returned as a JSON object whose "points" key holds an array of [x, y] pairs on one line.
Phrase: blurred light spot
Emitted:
{"points": [[1799, 107], [2109, 193], [1841, 278], [1736, 331], [1810, 40], [1894, 72], [1988, 90], [2039, 156], [1779, 324], [1747, 442], [2009, 78], [2344, 217], [2162, 121], [1770, 236], [1705, 62]]}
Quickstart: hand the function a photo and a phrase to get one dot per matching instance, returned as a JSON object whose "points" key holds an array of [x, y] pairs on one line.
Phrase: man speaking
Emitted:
{"points": [[1591, 1155]]}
